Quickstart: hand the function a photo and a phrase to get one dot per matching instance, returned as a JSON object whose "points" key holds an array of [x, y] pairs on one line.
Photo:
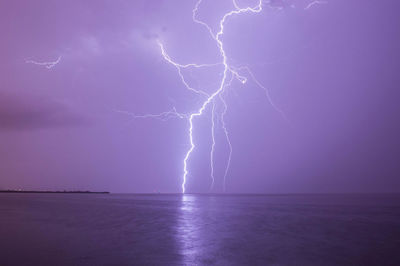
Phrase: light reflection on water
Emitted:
{"points": [[197, 226], [188, 228]]}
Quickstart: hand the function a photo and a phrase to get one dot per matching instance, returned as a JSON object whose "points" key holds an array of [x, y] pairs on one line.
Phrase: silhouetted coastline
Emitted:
{"points": [[49, 191]]}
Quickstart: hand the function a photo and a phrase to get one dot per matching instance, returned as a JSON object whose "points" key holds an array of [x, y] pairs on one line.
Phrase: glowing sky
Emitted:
{"points": [[67, 68]]}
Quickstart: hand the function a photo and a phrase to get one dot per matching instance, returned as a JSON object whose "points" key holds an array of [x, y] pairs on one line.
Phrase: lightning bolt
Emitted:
{"points": [[227, 140], [229, 73], [212, 146], [179, 67], [164, 116], [313, 3], [226, 71], [47, 65]]}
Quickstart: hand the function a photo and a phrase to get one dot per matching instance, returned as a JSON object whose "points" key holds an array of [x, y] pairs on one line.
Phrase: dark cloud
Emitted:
{"points": [[29, 113]]}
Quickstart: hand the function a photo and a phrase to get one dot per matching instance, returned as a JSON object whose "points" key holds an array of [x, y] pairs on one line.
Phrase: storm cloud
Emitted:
{"points": [[29, 113], [331, 68]]}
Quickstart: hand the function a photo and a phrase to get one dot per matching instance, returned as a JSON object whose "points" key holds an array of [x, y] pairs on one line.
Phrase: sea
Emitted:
{"points": [[199, 229]]}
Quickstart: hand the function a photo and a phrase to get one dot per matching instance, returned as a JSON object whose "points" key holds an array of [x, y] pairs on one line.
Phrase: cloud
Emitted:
{"points": [[30, 113]]}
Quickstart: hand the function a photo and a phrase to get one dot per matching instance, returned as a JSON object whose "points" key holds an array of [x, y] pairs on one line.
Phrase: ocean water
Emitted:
{"points": [[118, 229]]}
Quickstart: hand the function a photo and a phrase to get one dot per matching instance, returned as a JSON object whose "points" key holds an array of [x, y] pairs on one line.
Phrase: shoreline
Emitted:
{"points": [[55, 192]]}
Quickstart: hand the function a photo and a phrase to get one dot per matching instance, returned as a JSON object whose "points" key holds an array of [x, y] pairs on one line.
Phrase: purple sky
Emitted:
{"points": [[332, 69]]}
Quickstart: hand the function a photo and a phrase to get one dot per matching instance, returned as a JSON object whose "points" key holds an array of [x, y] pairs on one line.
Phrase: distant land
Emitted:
{"points": [[49, 191]]}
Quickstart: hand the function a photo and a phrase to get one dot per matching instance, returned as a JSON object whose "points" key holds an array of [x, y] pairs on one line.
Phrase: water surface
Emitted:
{"points": [[118, 229]]}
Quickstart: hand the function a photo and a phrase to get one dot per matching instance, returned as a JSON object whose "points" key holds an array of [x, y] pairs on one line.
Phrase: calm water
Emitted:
{"points": [[68, 229]]}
